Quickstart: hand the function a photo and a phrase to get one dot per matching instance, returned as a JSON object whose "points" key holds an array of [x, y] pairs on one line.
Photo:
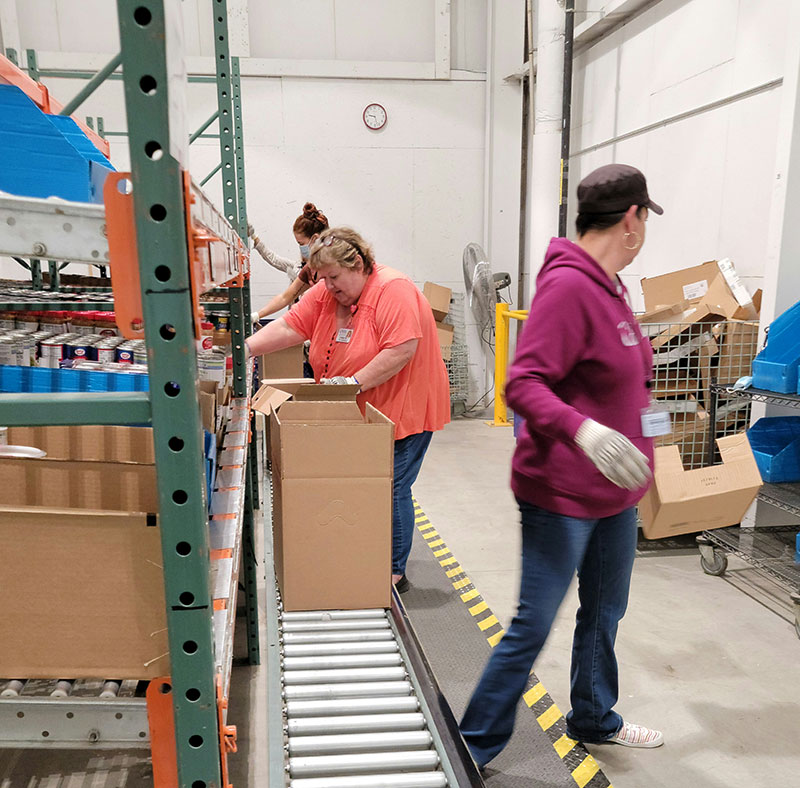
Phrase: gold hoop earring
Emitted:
{"points": [[637, 243]]}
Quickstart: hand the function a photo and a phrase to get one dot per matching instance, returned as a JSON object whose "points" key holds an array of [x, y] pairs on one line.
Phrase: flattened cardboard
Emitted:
{"points": [[439, 299], [208, 405], [90, 442], [88, 595], [737, 341], [681, 501], [111, 486]]}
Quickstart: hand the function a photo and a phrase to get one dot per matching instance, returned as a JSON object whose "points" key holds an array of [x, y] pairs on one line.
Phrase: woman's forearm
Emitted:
{"points": [[281, 301], [386, 364], [275, 336]]}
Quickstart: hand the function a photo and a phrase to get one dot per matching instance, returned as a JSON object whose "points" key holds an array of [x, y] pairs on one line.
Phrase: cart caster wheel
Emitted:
{"points": [[716, 566]]}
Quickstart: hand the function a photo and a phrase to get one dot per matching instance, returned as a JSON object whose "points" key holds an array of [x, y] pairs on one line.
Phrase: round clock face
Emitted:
{"points": [[375, 116]]}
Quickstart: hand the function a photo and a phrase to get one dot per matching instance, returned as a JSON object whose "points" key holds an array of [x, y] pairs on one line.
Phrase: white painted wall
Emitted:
{"points": [[712, 171], [416, 189]]}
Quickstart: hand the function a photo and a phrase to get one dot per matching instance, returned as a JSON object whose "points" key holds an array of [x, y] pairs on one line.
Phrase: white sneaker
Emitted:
{"points": [[630, 735]]}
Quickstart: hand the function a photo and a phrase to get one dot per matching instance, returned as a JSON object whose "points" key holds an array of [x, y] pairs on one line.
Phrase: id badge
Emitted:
{"points": [[655, 421], [344, 335]]}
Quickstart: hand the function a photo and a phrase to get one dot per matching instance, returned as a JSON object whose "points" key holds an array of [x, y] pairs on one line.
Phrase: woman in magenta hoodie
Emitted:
{"points": [[580, 380]]}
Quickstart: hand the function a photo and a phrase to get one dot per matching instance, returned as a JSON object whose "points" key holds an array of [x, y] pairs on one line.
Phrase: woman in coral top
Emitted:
{"points": [[371, 326]]}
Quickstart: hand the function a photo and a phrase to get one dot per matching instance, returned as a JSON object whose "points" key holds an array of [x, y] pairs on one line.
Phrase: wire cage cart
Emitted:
{"points": [[687, 357], [773, 550]]}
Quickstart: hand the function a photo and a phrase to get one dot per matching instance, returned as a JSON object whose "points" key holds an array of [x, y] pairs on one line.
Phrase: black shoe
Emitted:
{"points": [[402, 585]]}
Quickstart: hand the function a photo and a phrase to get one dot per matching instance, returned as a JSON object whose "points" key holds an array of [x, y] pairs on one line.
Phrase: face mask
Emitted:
{"points": [[304, 251]]}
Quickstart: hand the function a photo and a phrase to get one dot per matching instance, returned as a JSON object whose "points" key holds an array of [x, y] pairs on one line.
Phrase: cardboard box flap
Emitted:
{"points": [[326, 392], [693, 316], [321, 412], [665, 314], [736, 449], [267, 399], [669, 459]]}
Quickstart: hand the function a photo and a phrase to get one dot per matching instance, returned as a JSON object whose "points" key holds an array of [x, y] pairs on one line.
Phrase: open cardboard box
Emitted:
{"points": [[681, 501], [82, 556], [714, 284], [332, 474]]}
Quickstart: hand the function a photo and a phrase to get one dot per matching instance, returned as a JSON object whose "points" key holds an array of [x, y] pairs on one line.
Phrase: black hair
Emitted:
{"points": [[601, 221]]}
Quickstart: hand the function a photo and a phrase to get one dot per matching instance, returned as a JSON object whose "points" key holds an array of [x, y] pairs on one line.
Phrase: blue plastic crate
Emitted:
{"points": [[45, 155], [776, 367], [776, 445]]}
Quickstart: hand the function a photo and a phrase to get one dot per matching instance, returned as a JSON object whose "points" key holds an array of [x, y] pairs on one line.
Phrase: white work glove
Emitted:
{"points": [[255, 317], [614, 455], [250, 231], [340, 381]]}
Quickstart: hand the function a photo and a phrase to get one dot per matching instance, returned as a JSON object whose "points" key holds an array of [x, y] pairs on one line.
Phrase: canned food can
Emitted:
{"points": [[124, 354], [76, 349], [51, 352]]}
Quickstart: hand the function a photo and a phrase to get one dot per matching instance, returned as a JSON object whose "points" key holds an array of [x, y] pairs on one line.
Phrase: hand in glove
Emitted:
{"points": [[614, 455], [250, 231], [340, 381], [255, 317]]}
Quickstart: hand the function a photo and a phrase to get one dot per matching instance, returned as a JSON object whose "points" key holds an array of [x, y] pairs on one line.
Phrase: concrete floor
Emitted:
{"points": [[713, 662]]}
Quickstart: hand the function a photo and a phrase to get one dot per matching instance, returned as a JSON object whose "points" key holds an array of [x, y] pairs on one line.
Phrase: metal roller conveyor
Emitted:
{"points": [[342, 675], [339, 744], [326, 626], [372, 689], [361, 723], [348, 706], [332, 615], [323, 649], [342, 661], [363, 763], [420, 780], [348, 636]]}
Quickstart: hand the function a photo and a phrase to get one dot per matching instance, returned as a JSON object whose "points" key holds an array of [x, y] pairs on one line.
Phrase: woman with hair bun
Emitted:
{"points": [[306, 227]]}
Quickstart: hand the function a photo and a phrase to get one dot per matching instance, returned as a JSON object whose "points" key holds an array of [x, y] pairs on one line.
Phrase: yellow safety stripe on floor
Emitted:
{"points": [[583, 768]]}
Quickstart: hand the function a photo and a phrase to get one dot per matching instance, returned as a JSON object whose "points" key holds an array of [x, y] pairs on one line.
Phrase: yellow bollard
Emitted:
{"points": [[503, 318]]}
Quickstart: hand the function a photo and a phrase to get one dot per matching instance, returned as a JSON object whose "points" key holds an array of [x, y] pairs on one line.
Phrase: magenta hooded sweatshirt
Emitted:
{"points": [[581, 356]]}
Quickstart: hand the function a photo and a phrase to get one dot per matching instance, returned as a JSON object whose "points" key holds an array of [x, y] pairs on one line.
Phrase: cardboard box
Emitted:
{"points": [[88, 594], [287, 363], [82, 556], [445, 333], [737, 345], [332, 504], [715, 284], [689, 434], [439, 299], [689, 323], [681, 501], [209, 414]]}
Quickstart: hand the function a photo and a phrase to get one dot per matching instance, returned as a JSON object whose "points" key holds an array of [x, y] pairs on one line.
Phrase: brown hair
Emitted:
{"points": [[311, 222], [343, 248]]}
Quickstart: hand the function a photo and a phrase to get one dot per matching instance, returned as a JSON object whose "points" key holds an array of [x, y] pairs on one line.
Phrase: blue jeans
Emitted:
{"points": [[553, 548], [408, 455]]}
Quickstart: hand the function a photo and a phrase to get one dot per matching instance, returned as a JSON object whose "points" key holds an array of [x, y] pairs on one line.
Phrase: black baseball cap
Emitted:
{"points": [[613, 189]]}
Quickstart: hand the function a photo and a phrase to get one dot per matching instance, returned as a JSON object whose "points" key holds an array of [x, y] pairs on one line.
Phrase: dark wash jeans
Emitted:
{"points": [[554, 546], [408, 455]]}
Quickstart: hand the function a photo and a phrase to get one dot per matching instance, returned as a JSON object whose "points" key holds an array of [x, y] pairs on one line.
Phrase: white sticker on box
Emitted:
{"points": [[695, 290], [734, 283]]}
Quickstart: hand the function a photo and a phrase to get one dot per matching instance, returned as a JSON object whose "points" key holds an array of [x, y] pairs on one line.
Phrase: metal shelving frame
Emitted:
{"points": [[772, 549], [200, 557]]}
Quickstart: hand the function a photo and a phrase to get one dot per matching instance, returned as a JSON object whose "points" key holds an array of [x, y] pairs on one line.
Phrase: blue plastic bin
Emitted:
{"points": [[776, 445], [775, 368], [43, 379]]}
